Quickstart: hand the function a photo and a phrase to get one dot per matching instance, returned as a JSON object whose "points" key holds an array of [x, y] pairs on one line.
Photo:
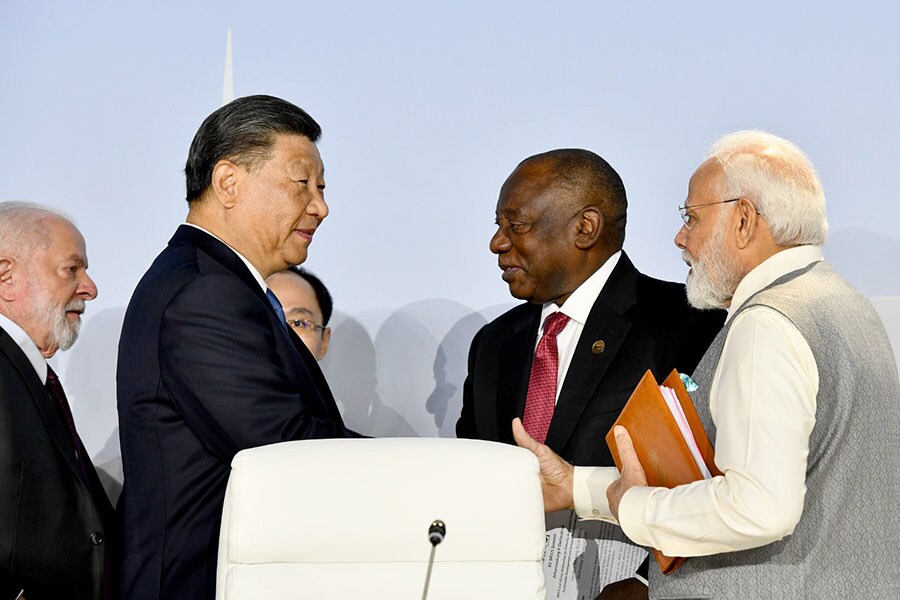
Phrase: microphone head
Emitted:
{"points": [[436, 532]]}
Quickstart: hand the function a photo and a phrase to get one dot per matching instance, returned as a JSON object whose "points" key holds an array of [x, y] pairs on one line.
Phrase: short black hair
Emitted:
{"points": [[595, 182], [323, 296], [242, 131]]}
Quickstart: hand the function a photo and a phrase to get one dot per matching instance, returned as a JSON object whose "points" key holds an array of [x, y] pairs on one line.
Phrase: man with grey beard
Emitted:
{"points": [[799, 394], [58, 532]]}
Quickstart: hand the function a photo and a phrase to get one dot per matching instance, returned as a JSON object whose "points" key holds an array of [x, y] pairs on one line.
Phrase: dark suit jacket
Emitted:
{"points": [[205, 370], [645, 324], [55, 522]]}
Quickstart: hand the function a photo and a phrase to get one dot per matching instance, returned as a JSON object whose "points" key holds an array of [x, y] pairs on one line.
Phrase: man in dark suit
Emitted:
{"points": [[207, 366], [560, 229], [58, 531]]}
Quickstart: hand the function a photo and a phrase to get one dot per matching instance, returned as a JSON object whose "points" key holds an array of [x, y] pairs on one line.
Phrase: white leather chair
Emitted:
{"points": [[349, 519]]}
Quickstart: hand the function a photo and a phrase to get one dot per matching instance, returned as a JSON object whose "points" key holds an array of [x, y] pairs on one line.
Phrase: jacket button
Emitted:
{"points": [[96, 538]]}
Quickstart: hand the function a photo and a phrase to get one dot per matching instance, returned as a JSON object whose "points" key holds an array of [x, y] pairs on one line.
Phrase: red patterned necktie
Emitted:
{"points": [[541, 399]]}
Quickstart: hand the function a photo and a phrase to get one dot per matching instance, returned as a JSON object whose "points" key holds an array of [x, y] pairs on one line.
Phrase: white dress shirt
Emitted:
{"points": [[763, 402], [577, 307]]}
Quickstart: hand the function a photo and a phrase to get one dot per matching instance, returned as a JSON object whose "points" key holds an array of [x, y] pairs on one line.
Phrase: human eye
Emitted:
{"points": [[519, 227]]}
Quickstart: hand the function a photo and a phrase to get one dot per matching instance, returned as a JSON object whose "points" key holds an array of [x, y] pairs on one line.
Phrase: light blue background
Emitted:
{"points": [[426, 109]]}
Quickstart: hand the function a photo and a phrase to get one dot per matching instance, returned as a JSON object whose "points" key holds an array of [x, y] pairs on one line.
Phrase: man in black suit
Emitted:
{"points": [[560, 229], [207, 366], [58, 531]]}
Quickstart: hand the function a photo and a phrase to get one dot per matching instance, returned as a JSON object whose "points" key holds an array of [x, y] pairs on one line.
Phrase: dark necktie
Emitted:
{"points": [[58, 395], [55, 390], [541, 399], [276, 306]]}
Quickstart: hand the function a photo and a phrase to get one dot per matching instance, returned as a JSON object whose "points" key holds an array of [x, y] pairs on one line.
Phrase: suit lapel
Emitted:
{"points": [[187, 235], [516, 354], [46, 407], [191, 236], [312, 365], [606, 322]]}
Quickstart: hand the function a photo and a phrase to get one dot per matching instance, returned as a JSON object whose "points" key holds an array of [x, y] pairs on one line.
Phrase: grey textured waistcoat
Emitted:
{"points": [[847, 543]]}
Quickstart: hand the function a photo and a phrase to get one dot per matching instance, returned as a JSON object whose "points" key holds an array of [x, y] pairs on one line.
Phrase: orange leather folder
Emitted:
{"points": [[661, 448]]}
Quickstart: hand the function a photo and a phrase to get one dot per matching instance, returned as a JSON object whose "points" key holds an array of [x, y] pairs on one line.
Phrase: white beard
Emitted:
{"points": [[63, 332], [712, 280]]}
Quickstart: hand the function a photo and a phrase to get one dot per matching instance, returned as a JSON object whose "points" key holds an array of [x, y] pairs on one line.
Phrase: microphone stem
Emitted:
{"points": [[428, 574]]}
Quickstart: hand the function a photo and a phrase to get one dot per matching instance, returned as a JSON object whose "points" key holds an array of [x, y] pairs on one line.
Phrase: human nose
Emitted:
{"points": [[681, 237], [87, 289], [317, 206], [499, 242]]}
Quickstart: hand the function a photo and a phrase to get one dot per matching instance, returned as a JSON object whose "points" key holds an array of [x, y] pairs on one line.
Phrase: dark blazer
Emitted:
{"points": [[643, 322], [55, 520], [205, 370]]}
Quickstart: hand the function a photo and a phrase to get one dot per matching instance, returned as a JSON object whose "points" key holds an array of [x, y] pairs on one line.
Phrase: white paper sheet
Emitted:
{"points": [[581, 557]]}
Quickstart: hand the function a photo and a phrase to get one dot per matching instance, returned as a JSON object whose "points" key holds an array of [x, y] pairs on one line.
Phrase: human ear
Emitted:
{"points": [[7, 281], [590, 228], [326, 337], [225, 177], [747, 223]]}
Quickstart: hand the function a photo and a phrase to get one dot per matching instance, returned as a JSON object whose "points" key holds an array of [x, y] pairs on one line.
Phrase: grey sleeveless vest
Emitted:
{"points": [[847, 542]]}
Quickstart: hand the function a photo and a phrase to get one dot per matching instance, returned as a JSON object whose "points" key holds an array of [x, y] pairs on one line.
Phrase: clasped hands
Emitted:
{"points": [[557, 476]]}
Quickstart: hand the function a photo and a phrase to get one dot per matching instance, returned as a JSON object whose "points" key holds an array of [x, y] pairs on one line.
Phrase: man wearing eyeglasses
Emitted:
{"points": [[592, 325], [307, 306], [798, 393]]}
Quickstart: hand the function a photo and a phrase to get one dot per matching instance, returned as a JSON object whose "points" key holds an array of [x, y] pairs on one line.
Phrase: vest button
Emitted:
{"points": [[96, 538]]}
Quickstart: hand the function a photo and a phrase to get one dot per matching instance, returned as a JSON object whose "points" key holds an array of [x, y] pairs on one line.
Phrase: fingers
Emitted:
{"points": [[522, 438], [632, 470], [556, 474], [627, 453]]}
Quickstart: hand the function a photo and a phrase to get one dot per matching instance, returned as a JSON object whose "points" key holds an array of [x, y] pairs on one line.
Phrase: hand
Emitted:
{"points": [[556, 474], [632, 471]]}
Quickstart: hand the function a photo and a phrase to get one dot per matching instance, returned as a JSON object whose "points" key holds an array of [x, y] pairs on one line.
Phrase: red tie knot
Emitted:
{"points": [[554, 323]]}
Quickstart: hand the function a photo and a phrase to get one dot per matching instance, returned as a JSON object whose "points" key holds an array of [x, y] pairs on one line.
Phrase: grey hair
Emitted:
{"points": [[779, 179], [23, 227]]}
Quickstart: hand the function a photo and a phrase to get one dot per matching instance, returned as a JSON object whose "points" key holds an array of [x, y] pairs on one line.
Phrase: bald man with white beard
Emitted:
{"points": [[798, 393], [58, 532]]}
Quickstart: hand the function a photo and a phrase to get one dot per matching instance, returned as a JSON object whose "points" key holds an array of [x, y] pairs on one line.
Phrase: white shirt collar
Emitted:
{"points": [[771, 269], [253, 271], [29, 348], [578, 306]]}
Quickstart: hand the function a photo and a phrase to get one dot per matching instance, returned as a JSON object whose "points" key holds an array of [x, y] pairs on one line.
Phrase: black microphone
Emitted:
{"points": [[436, 533]]}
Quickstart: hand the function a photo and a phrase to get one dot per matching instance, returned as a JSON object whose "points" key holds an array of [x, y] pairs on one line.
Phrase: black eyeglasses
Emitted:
{"points": [[305, 324], [688, 218]]}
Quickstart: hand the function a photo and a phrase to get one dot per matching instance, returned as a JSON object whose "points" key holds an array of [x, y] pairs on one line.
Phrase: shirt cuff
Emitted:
{"points": [[589, 492], [632, 509]]}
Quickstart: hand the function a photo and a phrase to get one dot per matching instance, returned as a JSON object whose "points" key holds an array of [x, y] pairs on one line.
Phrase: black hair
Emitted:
{"points": [[323, 296], [595, 182], [242, 131]]}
